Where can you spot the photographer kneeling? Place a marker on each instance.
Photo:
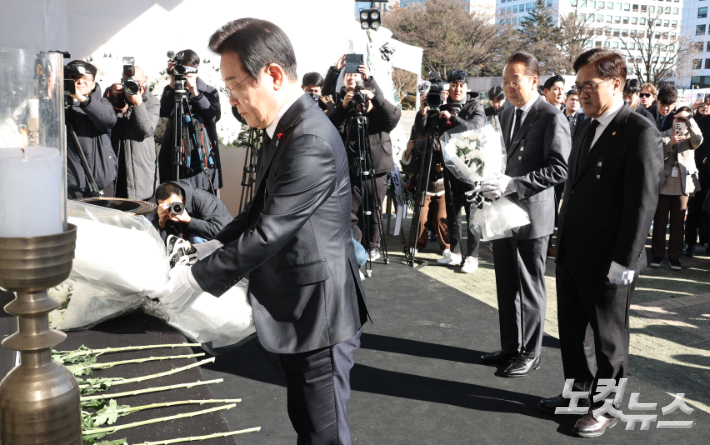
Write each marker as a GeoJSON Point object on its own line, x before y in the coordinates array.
{"type": "Point", "coordinates": [383, 117]}
{"type": "Point", "coordinates": [459, 110]}
{"type": "Point", "coordinates": [198, 217]}
{"type": "Point", "coordinates": [132, 138]}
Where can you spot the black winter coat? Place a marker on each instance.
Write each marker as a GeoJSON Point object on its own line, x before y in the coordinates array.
{"type": "Point", "coordinates": [92, 122]}
{"type": "Point", "coordinates": [471, 116]}
{"type": "Point", "coordinates": [206, 105]}
{"type": "Point", "coordinates": [382, 119]}
{"type": "Point", "coordinates": [209, 214]}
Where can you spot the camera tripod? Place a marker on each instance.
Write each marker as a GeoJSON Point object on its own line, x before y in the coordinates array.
{"type": "Point", "coordinates": [422, 184]}
{"type": "Point", "coordinates": [182, 112]}
{"type": "Point", "coordinates": [359, 135]}
{"type": "Point", "coordinates": [250, 160]}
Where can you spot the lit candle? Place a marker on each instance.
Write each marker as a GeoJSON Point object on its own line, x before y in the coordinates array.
{"type": "Point", "coordinates": [31, 192]}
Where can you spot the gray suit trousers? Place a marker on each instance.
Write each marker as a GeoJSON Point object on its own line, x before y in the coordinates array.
{"type": "Point", "coordinates": [522, 298]}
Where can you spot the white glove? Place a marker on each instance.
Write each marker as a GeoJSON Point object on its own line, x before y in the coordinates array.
{"type": "Point", "coordinates": [619, 274]}
{"type": "Point", "coordinates": [206, 249]}
{"type": "Point", "coordinates": [180, 292]}
{"type": "Point", "coordinates": [499, 186]}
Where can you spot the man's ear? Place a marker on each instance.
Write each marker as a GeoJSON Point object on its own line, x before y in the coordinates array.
{"type": "Point", "coordinates": [277, 74]}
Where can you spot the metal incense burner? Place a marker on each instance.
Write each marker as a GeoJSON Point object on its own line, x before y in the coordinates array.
{"type": "Point", "coordinates": [39, 399]}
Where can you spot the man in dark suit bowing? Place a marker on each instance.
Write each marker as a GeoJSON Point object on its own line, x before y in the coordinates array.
{"type": "Point", "coordinates": [610, 199]}
{"type": "Point", "coordinates": [537, 141]}
{"type": "Point", "coordinates": [293, 239]}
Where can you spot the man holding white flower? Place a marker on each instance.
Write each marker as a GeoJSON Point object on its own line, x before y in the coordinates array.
{"type": "Point", "coordinates": [537, 142]}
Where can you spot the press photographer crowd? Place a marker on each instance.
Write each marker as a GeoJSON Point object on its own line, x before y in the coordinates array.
{"type": "Point", "coordinates": [582, 172]}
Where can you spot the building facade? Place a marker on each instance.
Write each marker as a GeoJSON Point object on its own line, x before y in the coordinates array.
{"type": "Point", "coordinates": [620, 26]}
{"type": "Point", "coordinates": [696, 28]}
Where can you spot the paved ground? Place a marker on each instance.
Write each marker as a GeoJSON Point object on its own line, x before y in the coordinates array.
{"type": "Point", "coordinates": [670, 316]}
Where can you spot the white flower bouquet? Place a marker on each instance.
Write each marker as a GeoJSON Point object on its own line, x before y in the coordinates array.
{"type": "Point", "coordinates": [478, 155]}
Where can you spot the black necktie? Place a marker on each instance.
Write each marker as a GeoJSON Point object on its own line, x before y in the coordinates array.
{"type": "Point", "coordinates": [587, 142]}
{"type": "Point", "coordinates": [516, 126]}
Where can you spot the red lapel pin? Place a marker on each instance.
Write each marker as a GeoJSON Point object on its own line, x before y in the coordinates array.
{"type": "Point", "coordinates": [279, 135]}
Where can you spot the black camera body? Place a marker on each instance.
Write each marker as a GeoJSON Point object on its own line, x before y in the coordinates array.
{"type": "Point", "coordinates": [130, 86]}
{"type": "Point", "coordinates": [177, 208]}
{"type": "Point", "coordinates": [179, 71]}
{"type": "Point", "coordinates": [71, 72]}
{"type": "Point", "coordinates": [434, 99]}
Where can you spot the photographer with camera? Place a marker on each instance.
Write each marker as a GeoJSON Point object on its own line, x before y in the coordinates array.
{"type": "Point", "coordinates": [89, 119]}
{"type": "Point", "coordinates": [383, 116]}
{"type": "Point", "coordinates": [137, 113]}
{"type": "Point", "coordinates": [496, 99]}
{"type": "Point", "coordinates": [312, 84]}
{"type": "Point", "coordinates": [460, 110]}
{"type": "Point", "coordinates": [204, 106]}
{"type": "Point", "coordinates": [188, 212]}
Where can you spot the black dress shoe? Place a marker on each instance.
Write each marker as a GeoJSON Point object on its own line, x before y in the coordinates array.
{"type": "Point", "coordinates": [499, 356]}
{"type": "Point", "coordinates": [689, 251]}
{"type": "Point", "coordinates": [522, 367]}
{"type": "Point", "coordinates": [550, 405]}
{"type": "Point", "coordinates": [588, 426]}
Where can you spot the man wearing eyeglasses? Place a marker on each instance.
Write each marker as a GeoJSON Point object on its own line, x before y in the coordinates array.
{"type": "Point", "coordinates": [610, 198]}
{"type": "Point", "coordinates": [293, 238]}
{"type": "Point", "coordinates": [537, 141]}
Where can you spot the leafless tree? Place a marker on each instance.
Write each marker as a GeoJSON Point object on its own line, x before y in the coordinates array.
{"type": "Point", "coordinates": [404, 82]}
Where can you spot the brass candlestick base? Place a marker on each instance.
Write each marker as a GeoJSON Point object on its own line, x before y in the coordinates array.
{"type": "Point", "coordinates": [39, 400]}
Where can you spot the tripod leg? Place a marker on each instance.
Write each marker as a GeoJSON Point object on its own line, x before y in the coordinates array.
{"type": "Point", "coordinates": [377, 202]}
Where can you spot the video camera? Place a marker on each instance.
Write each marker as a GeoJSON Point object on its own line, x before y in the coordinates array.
{"type": "Point", "coordinates": [358, 97]}
{"type": "Point", "coordinates": [179, 70]}
{"type": "Point", "coordinates": [130, 86]}
{"type": "Point", "coordinates": [433, 99]}
{"type": "Point", "coordinates": [71, 73]}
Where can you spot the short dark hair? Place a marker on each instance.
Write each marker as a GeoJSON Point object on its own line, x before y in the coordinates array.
{"type": "Point", "coordinates": [553, 80]}
{"type": "Point", "coordinates": [168, 189]}
{"type": "Point", "coordinates": [457, 75]}
{"type": "Point", "coordinates": [572, 93]}
{"type": "Point", "coordinates": [667, 95]}
{"type": "Point", "coordinates": [633, 86]}
{"type": "Point", "coordinates": [188, 57]}
{"type": "Point", "coordinates": [496, 93]}
{"type": "Point", "coordinates": [532, 65]}
{"type": "Point", "coordinates": [256, 43]}
{"type": "Point", "coordinates": [608, 64]}
{"type": "Point", "coordinates": [89, 68]}
{"type": "Point", "coordinates": [312, 79]}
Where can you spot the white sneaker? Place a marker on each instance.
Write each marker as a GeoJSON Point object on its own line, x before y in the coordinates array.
{"type": "Point", "coordinates": [374, 254]}
{"type": "Point", "coordinates": [451, 259]}
{"type": "Point", "coordinates": [470, 265]}
{"type": "Point", "coordinates": [362, 276]}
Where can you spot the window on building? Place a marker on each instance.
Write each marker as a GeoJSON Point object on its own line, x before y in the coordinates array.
{"type": "Point", "coordinates": [652, 9]}
{"type": "Point", "coordinates": [599, 31]}
{"type": "Point", "coordinates": [583, 4]}
{"type": "Point", "coordinates": [707, 64]}
{"type": "Point", "coordinates": [675, 11]}
{"type": "Point", "coordinates": [635, 8]}
{"type": "Point", "coordinates": [549, 2]}
{"type": "Point", "coordinates": [634, 20]}
{"type": "Point", "coordinates": [658, 22]}
{"type": "Point", "coordinates": [674, 24]}
{"type": "Point", "coordinates": [617, 19]}
{"type": "Point", "coordinates": [600, 18]}
{"type": "Point", "coordinates": [624, 33]}
{"type": "Point", "coordinates": [697, 64]}
{"type": "Point", "coordinates": [607, 44]}
{"type": "Point", "coordinates": [632, 33]}
{"type": "Point", "coordinates": [607, 32]}
{"type": "Point", "coordinates": [666, 23]}
{"type": "Point", "coordinates": [609, 5]}
{"type": "Point", "coordinates": [589, 44]}
{"type": "Point", "coordinates": [627, 7]}
{"type": "Point", "coordinates": [642, 21]}
{"type": "Point", "coordinates": [509, 9]}
{"type": "Point", "coordinates": [671, 48]}
{"type": "Point", "coordinates": [625, 20]}
{"type": "Point", "coordinates": [601, 5]}
{"type": "Point", "coordinates": [593, 5]}
{"type": "Point", "coordinates": [515, 8]}
{"type": "Point", "coordinates": [644, 8]}
{"type": "Point", "coordinates": [640, 34]}
{"type": "Point", "coordinates": [502, 22]}
{"type": "Point", "coordinates": [672, 36]}
{"type": "Point", "coordinates": [665, 35]}
{"type": "Point", "coordinates": [609, 19]}
{"type": "Point", "coordinates": [623, 45]}
{"type": "Point", "coordinates": [573, 2]}
{"type": "Point", "coordinates": [658, 35]}
{"type": "Point", "coordinates": [598, 44]}
{"type": "Point", "coordinates": [615, 45]}
{"type": "Point", "coordinates": [707, 48]}
{"type": "Point", "coordinates": [616, 33]}
{"type": "Point", "coordinates": [582, 18]}
{"type": "Point", "coordinates": [632, 45]}
{"type": "Point", "coordinates": [668, 10]}
{"type": "Point", "coordinates": [703, 13]}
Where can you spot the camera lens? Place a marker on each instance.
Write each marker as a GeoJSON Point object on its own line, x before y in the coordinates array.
{"type": "Point", "coordinates": [131, 87]}
{"type": "Point", "coordinates": [177, 208]}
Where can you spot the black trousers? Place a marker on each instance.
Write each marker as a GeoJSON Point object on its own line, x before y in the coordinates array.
{"type": "Point", "coordinates": [356, 210]}
{"type": "Point", "coordinates": [318, 387]}
{"type": "Point", "coordinates": [522, 297]}
{"type": "Point", "coordinates": [588, 304]}
{"type": "Point", "coordinates": [697, 220]}
{"type": "Point", "coordinates": [455, 199]}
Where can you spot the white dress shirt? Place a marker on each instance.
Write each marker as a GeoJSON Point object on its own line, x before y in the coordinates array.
{"type": "Point", "coordinates": [606, 118]}
{"type": "Point", "coordinates": [528, 105]}
{"type": "Point", "coordinates": [289, 103]}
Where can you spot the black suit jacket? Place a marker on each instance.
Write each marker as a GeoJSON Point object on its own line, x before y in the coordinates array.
{"type": "Point", "coordinates": [575, 122]}
{"type": "Point", "coordinates": [610, 200]}
{"type": "Point", "coordinates": [293, 240]}
{"type": "Point", "coordinates": [537, 161]}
